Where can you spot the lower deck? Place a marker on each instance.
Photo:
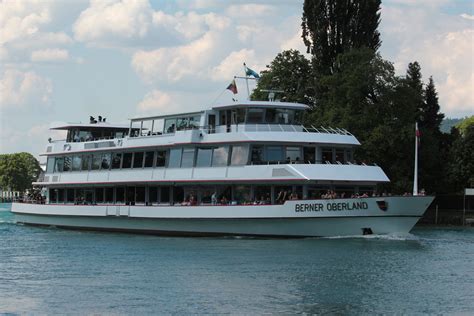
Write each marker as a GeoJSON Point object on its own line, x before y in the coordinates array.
{"type": "Point", "coordinates": [292, 218]}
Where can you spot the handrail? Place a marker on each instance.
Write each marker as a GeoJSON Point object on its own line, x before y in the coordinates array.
{"type": "Point", "coordinates": [291, 128]}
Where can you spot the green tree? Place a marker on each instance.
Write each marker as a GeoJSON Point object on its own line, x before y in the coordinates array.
{"type": "Point", "coordinates": [461, 163]}
{"type": "Point", "coordinates": [290, 72]}
{"type": "Point", "coordinates": [431, 118]}
{"type": "Point", "coordinates": [333, 27]}
{"type": "Point", "coordinates": [18, 171]}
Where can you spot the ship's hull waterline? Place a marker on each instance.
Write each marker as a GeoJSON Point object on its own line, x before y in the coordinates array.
{"type": "Point", "coordinates": [303, 218]}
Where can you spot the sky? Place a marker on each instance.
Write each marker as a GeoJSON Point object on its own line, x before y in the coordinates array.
{"type": "Point", "coordinates": [66, 60]}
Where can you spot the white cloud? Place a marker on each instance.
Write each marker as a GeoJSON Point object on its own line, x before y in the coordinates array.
{"type": "Point", "coordinates": [26, 26]}
{"type": "Point", "coordinates": [233, 64]}
{"type": "Point", "coordinates": [24, 89]}
{"type": "Point", "coordinates": [250, 10]}
{"type": "Point", "coordinates": [104, 20]}
{"type": "Point", "coordinates": [49, 55]}
{"type": "Point", "coordinates": [156, 102]}
{"type": "Point", "coordinates": [444, 47]}
{"type": "Point", "coordinates": [467, 16]}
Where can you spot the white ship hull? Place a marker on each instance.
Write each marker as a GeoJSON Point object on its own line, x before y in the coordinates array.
{"type": "Point", "coordinates": [301, 218]}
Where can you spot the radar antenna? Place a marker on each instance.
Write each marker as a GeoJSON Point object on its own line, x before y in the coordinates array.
{"type": "Point", "coordinates": [271, 94]}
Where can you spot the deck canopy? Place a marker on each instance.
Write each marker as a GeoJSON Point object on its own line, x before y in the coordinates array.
{"type": "Point", "coordinates": [80, 132]}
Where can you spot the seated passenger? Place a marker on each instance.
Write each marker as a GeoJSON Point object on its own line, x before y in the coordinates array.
{"type": "Point", "coordinates": [224, 200]}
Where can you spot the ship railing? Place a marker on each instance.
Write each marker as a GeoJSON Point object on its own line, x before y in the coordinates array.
{"type": "Point", "coordinates": [309, 162]}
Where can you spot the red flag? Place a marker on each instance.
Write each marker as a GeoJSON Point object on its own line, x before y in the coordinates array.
{"type": "Point", "coordinates": [232, 87]}
{"type": "Point", "coordinates": [417, 134]}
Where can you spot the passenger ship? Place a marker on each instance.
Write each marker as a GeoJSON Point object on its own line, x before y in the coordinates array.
{"type": "Point", "coordinates": [244, 168]}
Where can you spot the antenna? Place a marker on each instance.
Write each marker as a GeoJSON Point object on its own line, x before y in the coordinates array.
{"type": "Point", "coordinates": [271, 94]}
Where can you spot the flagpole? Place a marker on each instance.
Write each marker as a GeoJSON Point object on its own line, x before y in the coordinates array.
{"type": "Point", "coordinates": [246, 81]}
{"type": "Point", "coordinates": [415, 177]}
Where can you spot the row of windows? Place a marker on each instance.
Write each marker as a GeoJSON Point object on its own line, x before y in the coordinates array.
{"type": "Point", "coordinates": [202, 194]}
{"type": "Point", "coordinates": [188, 157]}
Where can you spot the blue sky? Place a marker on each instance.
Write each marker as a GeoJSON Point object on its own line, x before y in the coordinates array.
{"type": "Point", "coordinates": [66, 60]}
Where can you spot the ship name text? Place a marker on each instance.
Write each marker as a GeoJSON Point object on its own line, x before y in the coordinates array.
{"type": "Point", "coordinates": [337, 206]}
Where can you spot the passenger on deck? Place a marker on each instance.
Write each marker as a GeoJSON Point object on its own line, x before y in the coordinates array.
{"type": "Point", "coordinates": [224, 200]}
{"type": "Point", "coordinates": [214, 198]}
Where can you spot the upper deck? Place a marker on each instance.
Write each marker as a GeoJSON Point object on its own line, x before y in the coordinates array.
{"type": "Point", "coordinates": [249, 121]}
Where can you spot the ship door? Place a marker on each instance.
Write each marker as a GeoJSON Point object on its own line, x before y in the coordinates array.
{"type": "Point", "coordinates": [212, 123]}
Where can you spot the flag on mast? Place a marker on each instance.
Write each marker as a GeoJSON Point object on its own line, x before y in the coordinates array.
{"type": "Point", "coordinates": [250, 72]}
{"type": "Point", "coordinates": [232, 87]}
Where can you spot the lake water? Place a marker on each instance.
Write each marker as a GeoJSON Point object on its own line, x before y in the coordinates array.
{"type": "Point", "coordinates": [54, 271]}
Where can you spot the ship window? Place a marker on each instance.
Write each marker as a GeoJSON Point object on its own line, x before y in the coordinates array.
{"type": "Point", "coordinates": [242, 194]}
{"type": "Point", "coordinates": [298, 117]}
{"type": "Point", "coordinates": [149, 159]}
{"type": "Point", "coordinates": [109, 195]}
{"type": "Point", "coordinates": [165, 195]}
{"type": "Point", "coordinates": [240, 155]}
{"type": "Point", "coordinates": [70, 195]}
{"type": "Point", "coordinates": [59, 164]}
{"type": "Point", "coordinates": [327, 154]}
{"type": "Point", "coordinates": [105, 164]}
{"type": "Point", "coordinates": [138, 160]}
{"type": "Point", "coordinates": [270, 116]}
{"type": "Point", "coordinates": [161, 158]}
{"type": "Point", "coordinates": [340, 155]}
{"type": "Point", "coordinates": [96, 161]}
{"type": "Point", "coordinates": [274, 153]}
{"type": "Point", "coordinates": [85, 162]}
{"type": "Point", "coordinates": [116, 159]}
{"type": "Point", "coordinates": [204, 156]}
{"type": "Point", "coordinates": [120, 195]}
{"type": "Point", "coordinates": [127, 160]}
{"type": "Point", "coordinates": [53, 195]}
{"type": "Point", "coordinates": [99, 195]}
{"type": "Point", "coordinates": [175, 158]}
{"type": "Point", "coordinates": [255, 116]}
{"type": "Point", "coordinates": [344, 191]}
{"type": "Point", "coordinates": [178, 195]}
{"type": "Point", "coordinates": [67, 163]}
{"type": "Point", "coordinates": [282, 194]}
{"type": "Point", "coordinates": [257, 155]}
{"type": "Point", "coordinates": [153, 197]}
{"type": "Point", "coordinates": [188, 158]}
{"type": "Point", "coordinates": [263, 194]}
{"type": "Point", "coordinates": [60, 195]}
{"type": "Point", "coordinates": [315, 192]}
{"type": "Point", "coordinates": [349, 155]}
{"type": "Point", "coordinates": [140, 195]}
{"type": "Point", "coordinates": [293, 154]}
{"type": "Point", "coordinates": [170, 126]}
{"type": "Point", "coordinates": [239, 116]}
{"type": "Point", "coordinates": [282, 116]}
{"type": "Point", "coordinates": [309, 154]}
{"type": "Point", "coordinates": [220, 156]}
{"type": "Point", "coordinates": [50, 165]}
{"type": "Point", "coordinates": [76, 163]}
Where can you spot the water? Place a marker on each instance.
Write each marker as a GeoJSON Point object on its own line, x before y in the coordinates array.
{"type": "Point", "coordinates": [54, 271]}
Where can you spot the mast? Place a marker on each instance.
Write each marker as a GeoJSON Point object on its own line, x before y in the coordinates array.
{"type": "Point", "coordinates": [247, 81]}
{"type": "Point", "coordinates": [415, 176]}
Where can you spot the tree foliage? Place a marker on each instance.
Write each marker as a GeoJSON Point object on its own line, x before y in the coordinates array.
{"type": "Point", "coordinates": [333, 27]}
{"type": "Point", "coordinates": [461, 162]}
{"type": "Point", "coordinates": [290, 72]}
{"type": "Point", "coordinates": [18, 171]}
